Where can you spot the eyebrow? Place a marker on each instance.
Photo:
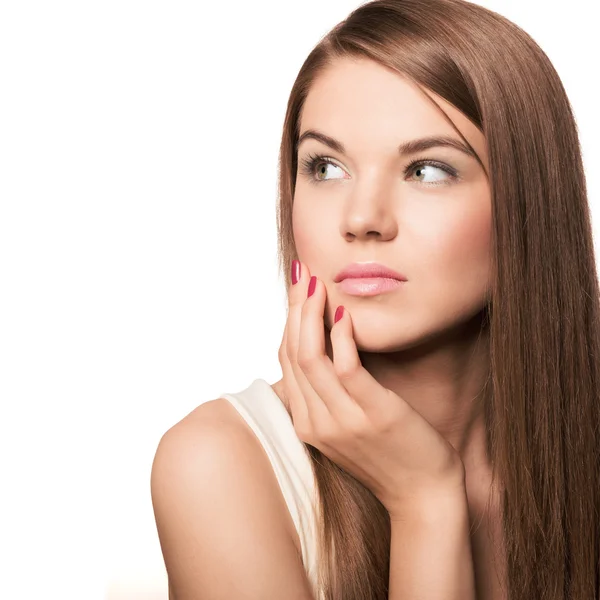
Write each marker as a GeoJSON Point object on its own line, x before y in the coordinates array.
{"type": "Point", "coordinates": [409, 147]}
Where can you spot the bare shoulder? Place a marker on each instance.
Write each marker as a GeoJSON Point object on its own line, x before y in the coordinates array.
{"type": "Point", "coordinates": [222, 520]}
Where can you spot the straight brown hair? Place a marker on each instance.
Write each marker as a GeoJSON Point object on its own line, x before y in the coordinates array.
{"type": "Point", "coordinates": [543, 394]}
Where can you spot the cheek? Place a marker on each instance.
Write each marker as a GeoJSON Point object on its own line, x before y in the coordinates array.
{"type": "Point", "coordinates": [458, 262]}
{"type": "Point", "coordinates": [310, 234]}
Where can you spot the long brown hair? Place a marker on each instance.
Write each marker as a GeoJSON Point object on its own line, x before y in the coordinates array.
{"type": "Point", "coordinates": [543, 393]}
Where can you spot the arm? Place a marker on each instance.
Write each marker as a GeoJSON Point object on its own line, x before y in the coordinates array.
{"type": "Point", "coordinates": [430, 555]}
{"type": "Point", "coordinates": [220, 515]}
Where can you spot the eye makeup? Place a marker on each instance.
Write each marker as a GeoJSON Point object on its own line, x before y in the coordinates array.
{"type": "Point", "coordinates": [312, 161]}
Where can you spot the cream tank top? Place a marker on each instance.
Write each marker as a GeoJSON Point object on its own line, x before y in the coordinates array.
{"type": "Point", "coordinates": [266, 415]}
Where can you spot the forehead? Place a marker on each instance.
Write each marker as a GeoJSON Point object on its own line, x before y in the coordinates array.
{"type": "Point", "coordinates": [369, 106]}
{"type": "Point", "coordinates": [363, 88]}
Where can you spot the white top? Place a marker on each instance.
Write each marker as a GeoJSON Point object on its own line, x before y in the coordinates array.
{"type": "Point", "coordinates": [266, 415]}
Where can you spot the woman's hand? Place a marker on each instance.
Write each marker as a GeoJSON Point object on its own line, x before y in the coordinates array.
{"type": "Point", "coordinates": [340, 409]}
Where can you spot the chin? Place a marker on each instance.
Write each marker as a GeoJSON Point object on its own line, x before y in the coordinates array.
{"type": "Point", "coordinates": [380, 337]}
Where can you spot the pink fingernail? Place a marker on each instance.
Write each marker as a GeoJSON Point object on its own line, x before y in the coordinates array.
{"type": "Point", "coordinates": [312, 284]}
{"type": "Point", "coordinates": [339, 313]}
{"type": "Point", "coordinates": [295, 272]}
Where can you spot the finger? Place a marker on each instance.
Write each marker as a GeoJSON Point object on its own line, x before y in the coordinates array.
{"type": "Point", "coordinates": [366, 391]}
{"type": "Point", "coordinates": [286, 371]}
{"type": "Point", "coordinates": [317, 413]}
{"type": "Point", "coordinates": [318, 380]}
{"type": "Point", "coordinates": [310, 355]}
{"type": "Point", "coordinates": [296, 295]}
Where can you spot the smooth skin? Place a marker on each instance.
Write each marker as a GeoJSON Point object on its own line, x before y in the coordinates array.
{"type": "Point", "coordinates": [420, 340]}
{"type": "Point", "coordinates": [224, 527]}
{"type": "Point", "coordinates": [338, 407]}
{"type": "Point", "coordinates": [214, 492]}
{"type": "Point", "coordinates": [423, 342]}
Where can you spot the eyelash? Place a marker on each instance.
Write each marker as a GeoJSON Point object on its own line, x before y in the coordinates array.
{"type": "Point", "coordinates": [309, 164]}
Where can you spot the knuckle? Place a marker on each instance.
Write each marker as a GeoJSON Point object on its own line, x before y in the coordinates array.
{"type": "Point", "coordinates": [307, 362]}
{"type": "Point", "coordinates": [385, 421]}
{"type": "Point", "coordinates": [325, 435]}
{"type": "Point", "coordinates": [296, 300]}
{"type": "Point", "coordinates": [291, 350]}
{"type": "Point", "coordinates": [346, 372]}
{"type": "Point", "coordinates": [283, 354]}
{"type": "Point", "coordinates": [354, 427]}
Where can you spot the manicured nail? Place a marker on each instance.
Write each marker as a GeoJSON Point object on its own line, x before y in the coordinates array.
{"type": "Point", "coordinates": [295, 272]}
{"type": "Point", "coordinates": [312, 284]}
{"type": "Point", "coordinates": [339, 313]}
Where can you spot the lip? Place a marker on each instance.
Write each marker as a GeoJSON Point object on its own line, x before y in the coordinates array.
{"type": "Point", "coordinates": [369, 286]}
{"type": "Point", "coordinates": [368, 270]}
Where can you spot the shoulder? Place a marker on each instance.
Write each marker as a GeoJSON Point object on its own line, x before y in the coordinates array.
{"type": "Point", "coordinates": [212, 478]}
{"type": "Point", "coordinates": [214, 425]}
{"type": "Point", "coordinates": [211, 436]}
{"type": "Point", "coordinates": [214, 439]}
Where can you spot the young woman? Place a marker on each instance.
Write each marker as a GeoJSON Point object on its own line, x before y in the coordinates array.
{"type": "Point", "coordinates": [437, 436]}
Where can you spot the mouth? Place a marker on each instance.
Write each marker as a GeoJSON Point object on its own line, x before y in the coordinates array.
{"type": "Point", "coordinates": [369, 286]}
{"type": "Point", "coordinates": [368, 270]}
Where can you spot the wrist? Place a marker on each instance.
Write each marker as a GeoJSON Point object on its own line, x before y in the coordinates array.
{"type": "Point", "coordinates": [433, 506]}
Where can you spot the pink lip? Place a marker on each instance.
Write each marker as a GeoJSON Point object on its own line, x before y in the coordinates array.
{"type": "Point", "coordinates": [369, 286]}
{"type": "Point", "coordinates": [368, 270]}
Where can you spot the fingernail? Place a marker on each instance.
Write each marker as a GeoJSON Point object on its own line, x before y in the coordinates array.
{"type": "Point", "coordinates": [295, 272]}
{"type": "Point", "coordinates": [312, 284]}
{"type": "Point", "coordinates": [339, 313]}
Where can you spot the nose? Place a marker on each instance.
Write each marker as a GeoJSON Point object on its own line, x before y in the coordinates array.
{"type": "Point", "coordinates": [368, 216]}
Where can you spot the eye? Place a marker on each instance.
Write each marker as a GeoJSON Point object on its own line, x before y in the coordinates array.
{"type": "Point", "coordinates": [426, 168]}
{"type": "Point", "coordinates": [314, 165]}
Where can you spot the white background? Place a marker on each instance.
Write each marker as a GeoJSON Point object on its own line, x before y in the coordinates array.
{"type": "Point", "coordinates": [138, 156]}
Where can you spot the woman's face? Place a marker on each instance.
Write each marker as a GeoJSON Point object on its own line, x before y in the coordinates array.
{"type": "Point", "coordinates": [430, 225]}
